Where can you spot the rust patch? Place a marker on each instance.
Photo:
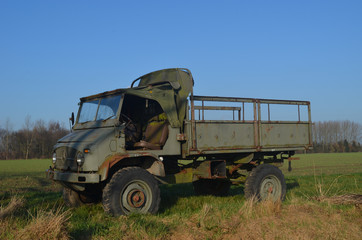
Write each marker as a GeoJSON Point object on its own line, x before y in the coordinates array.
{"type": "Point", "coordinates": [112, 160]}
{"type": "Point", "coordinates": [109, 162]}
{"type": "Point", "coordinates": [269, 129]}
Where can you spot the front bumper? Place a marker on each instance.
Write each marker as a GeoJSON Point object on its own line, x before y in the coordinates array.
{"type": "Point", "coordinates": [72, 177]}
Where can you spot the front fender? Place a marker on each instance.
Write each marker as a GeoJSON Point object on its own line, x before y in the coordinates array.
{"type": "Point", "coordinates": [147, 161]}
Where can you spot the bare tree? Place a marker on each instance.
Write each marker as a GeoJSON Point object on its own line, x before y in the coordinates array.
{"type": "Point", "coordinates": [337, 136]}
{"type": "Point", "coordinates": [33, 140]}
{"type": "Point", "coordinates": [8, 130]}
{"type": "Point", "coordinates": [41, 140]}
{"type": "Point", "coordinates": [29, 135]}
{"type": "Point", "coordinates": [5, 139]}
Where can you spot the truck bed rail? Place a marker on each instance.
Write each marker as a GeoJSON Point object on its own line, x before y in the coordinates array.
{"type": "Point", "coordinates": [258, 132]}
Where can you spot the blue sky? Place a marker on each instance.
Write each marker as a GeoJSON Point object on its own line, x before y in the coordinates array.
{"type": "Point", "coordinates": [54, 52]}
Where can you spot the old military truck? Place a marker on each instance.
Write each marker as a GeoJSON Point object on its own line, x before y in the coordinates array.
{"type": "Point", "coordinates": [126, 141]}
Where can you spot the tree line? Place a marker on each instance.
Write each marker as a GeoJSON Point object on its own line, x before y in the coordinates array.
{"type": "Point", "coordinates": [33, 140]}
{"type": "Point", "coordinates": [337, 136]}
{"type": "Point", "coordinates": [36, 139]}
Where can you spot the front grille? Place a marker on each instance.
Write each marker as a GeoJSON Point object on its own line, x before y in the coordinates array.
{"type": "Point", "coordinates": [66, 159]}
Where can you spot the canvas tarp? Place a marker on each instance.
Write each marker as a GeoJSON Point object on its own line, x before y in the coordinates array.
{"type": "Point", "coordinates": [170, 88]}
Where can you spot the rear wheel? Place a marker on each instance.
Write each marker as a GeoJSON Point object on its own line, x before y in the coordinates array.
{"type": "Point", "coordinates": [265, 182]}
{"type": "Point", "coordinates": [216, 187]}
{"type": "Point", "coordinates": [131, 190]}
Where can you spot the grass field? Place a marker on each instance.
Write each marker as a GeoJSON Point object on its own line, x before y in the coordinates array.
{"type": "Point", "coordinates": [32, 207]}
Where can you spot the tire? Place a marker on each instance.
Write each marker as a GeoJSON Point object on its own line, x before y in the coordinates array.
{"type": "Point", "coordinates": [71, 198]}
{"type": "Point", "coordinates": [76, 199]}
{"type": "Point", "coordinates": [131, 190]}
{"type": "Point", "coordinates": [265, 182]}
{"type": "Point", "coordinates": [216, 187]}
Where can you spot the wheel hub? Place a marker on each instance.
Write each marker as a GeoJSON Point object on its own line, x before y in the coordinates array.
{"type": "Point", "coordinates": [270, 188]}
{"type": "Point", "coordinates": [136, 198]}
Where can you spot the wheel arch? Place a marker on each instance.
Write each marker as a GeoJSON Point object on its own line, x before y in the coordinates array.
{"type": "Point", "coordinates": [148, 162]}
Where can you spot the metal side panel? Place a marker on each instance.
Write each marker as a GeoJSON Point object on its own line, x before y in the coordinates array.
{"type": "Point", "coordinates": [172, 146]}
{"type": "Point", "coordinates": [224, 135]}
{"type": "Point", "coordinates": [284, 135]}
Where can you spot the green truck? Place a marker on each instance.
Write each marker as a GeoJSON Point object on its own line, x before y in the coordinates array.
{"type": "Point", "coordinates": [126, 142]}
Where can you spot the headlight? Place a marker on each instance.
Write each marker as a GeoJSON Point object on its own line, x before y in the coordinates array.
{"type": "Point", "coordinates": [80, 158]}
{"type": "Point", "coordinates": [54, 157]}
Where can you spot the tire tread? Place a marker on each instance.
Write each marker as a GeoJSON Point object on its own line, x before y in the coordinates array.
{"type": "Point", "coordinates": [251, 188]}
{"type": "Point", "coordinates": [107, 191]}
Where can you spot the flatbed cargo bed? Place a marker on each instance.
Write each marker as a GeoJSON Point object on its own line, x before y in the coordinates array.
{"type": "Point", "coordinates": [246, 135]}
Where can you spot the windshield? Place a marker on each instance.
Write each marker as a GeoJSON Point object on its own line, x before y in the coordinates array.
{"type": "Point", "coordinates": [100, 109]}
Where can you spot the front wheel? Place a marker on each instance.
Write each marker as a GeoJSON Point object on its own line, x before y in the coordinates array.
{"type": "Point", "coordinates": [265, 182]}
{"type": "Point", "coordinates": [131, 190]}
{"type": "Point", "coordinates": [77, 199]}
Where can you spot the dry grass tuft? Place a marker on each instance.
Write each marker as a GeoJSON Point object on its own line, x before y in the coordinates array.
{"type": "Point", "coordinates": [4, 227]}
{"type": "Point", "coordinates": [267, 220]}
{"type": "Point", "coordinates": [342, 199]}
{"type": "Point", "coordinates": [46, 225]}
{"type": "Point", "coordinates": [253, 208]}
{"type": "Point", "coordinates": [204, 215]}
{"type": "Point", "coordinates": [300, 219]}
{"type": "Point", "coordinates": [14, 204]}
{"type": "Point", "coordinates": [247, 209]}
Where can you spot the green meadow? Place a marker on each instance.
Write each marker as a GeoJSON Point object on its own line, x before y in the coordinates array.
{"type": "Point", "coordinates": [307, 213]}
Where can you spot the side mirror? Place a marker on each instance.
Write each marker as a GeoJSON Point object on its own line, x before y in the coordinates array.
{"type": "Point", "coordinates": [72, 118]}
